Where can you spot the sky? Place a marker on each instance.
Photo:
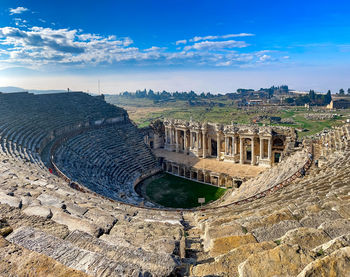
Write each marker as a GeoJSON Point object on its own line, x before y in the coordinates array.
{"type": "Point", "coordinates": [215, 46]}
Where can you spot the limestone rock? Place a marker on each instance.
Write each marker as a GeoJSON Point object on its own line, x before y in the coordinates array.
{"type": "Point", "coordinates": [38, 211]}
{"type": "Point", "coordinates": [333, 245]}
{"type": "Point", "coordinates": [275, 231]}
{"type": "Point", "coordinates": [102, 219]}
{"type": "Point", "coordinates": [216, 231]}
{"type": "Point", "coordinates": [336, 264]}
{"type": "Point", "coordinates": [69, 255]}
{"type": "Point", "coordinates": [225, 244]}
{"type": "Point", "coordinates": [76, 223]}
{"type": "Point", "coordinates": [50, 200]}
{"type": "Point", "coordinates": [158, 263]}
{"type": "Point", "coordinates": [5, 228]}
{"type": "Point", "coordinates": [76, 209]}
{"type": "Point", "coordinates": [145, 233]}
{"type": "Point", "coordinates": [16, 218]}
{"type": "Point", "coordinates": [274, 218]}
{"type": "Point", "coordinates": [227, 264]}
{"type": "Point", "coordinates": [316, 219]}
{"type": "Point", "coordinates": [336, 227]}
{"type": "Point", "coordinates": [18, 261]}
{"type": "Point", "coordinates": [307, 238]}
{"type": "Point", "coordinates": [284, 260]}
{"type": "Point", "coordinates": [10, 200]}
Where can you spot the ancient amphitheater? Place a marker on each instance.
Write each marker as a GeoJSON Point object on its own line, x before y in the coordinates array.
{"type": "Point", "coordinates": [68, 166]}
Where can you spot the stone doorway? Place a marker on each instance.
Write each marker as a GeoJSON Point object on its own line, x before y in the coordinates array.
{"type": "Point", "coordinates": [248, 154]}
{"type": "Point", "coordinates": [214, 148]}
{"type": "Point", "coordinates": [277, 157]}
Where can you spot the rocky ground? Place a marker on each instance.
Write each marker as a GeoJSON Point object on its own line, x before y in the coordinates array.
{"type": "Point", "coordinates": [60, 230]}
{"type": "Point", "coordinates": [300, 230]}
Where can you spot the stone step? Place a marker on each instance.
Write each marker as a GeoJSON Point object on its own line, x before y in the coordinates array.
{"type": "Point", "coordinates": [70, 255]}
{"type": "Point", "coordinates": [19, 261]}
{"type": "Point", "coordinates": [159, 264]}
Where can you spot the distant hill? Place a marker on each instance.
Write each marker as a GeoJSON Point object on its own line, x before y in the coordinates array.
{"type": "Point", "coordinates": [35, 91]}
{"type": "Point", "coordinates": [11, 89]}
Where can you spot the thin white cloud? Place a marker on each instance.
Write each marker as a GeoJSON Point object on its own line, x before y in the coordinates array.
{"type": "Point", "coordinates": [183, 41]}
{"type": "Point", "coordinates": [154, 48]}
{"type": "Point", "coordinates": [216, 45]}
{"type": "Point", "coordinates": [20, 22]}
{"type": "Point", "coordinates": [18, 10]}
{"type": "Point", "coordinates": [198, 38]}
{"type": "Point", "coordinates": [264, 58]}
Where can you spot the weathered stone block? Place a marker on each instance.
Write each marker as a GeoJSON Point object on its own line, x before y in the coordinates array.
{"type": "Point", "coordinates": [38, 211]}
{"type": "Point", "coordinates": [225, 244]}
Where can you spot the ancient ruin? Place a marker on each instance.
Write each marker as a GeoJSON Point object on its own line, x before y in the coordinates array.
{"type": "Point", "coordinates": [242, 144]}
{"type": "Point", "coordinates": [69, 163]}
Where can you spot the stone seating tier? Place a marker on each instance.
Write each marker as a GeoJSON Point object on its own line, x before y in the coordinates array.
{"type": "Point", "coordinates": [28, 121]}
{"type": "Point", "coordinates": [107, 160]}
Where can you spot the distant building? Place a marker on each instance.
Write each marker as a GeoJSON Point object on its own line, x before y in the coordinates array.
{"type": "Point", "coordinates": [339, 102]}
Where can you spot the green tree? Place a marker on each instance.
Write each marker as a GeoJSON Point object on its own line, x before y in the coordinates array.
{"type": "Point", "coordinates": [341, 92]}
{"type": "Point", "coordinates": [312, 95]}
{"type": "Point", "coordinates": [349, 91]}
{"type": "Point", "coordinates": [328, 97]}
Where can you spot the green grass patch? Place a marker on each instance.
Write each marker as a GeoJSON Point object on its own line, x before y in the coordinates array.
{"type": "Point", "coordinates": [180, 109]}
{"type": "Point", "coordinates": [175, 192]}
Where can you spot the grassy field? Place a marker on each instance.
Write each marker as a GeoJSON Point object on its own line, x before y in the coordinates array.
{"type": "Point", "coordinates": [176, 192]}
{"type": "Point", "coordinates": [143, 111]}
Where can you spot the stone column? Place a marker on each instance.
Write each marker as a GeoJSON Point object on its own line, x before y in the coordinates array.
{"type": "Point", "coordinates": [200, 143]}
{"type": "Point", "coordinates": [226, 145]}
{"type": "Point", "coordinates": [177, 140]}
{"type": "Point", "coordinates": [234, 146]}
{"type": "Point", "coordinates": [197, 141]}
{"type": "Point", "coordinates": [166, 137]}
{"type": "Point", "coordinates": [171, 135]}
{"type": "Point", "coordinates": [253, 151]}
{"type": "Point", "coordinates": [185, 142]}
{"type": "Point", "coordinates": [191, 140]}
{"type": "Point", "coordinates": [241, 156]}
{"type": "Point", "coordinates": [218, 146]}
{"type": "Point", "coordinates": [261, 148]}
{"type": "Point", "coordinates": [203, 145]}
{"type": "Point", "coordinates": [269, 150]}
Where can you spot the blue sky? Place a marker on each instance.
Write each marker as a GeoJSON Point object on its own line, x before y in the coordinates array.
{"type": "Point", "coordinates": [214, 46]}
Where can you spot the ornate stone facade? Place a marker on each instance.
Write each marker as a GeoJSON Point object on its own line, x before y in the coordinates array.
{"type": "Point", "coordinates": [244, 144]}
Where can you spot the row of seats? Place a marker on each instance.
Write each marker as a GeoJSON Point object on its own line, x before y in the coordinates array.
{"type": "Point", "coordinates": [335, 139]}
{"type": "Point", "coordinates": [28, 122]}
{"type": "Point", "coordinates": [107, 160]}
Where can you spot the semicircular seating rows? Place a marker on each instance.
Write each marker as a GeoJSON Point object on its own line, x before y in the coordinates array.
{"type": "Point", "coordinates": [28, 122]}
{"type": "Point", "coordinates": [108, 161]}
{"type": "Point", "coordinates": [114, 156]}
{"type": "Point", "coordinates": [48, 228]}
